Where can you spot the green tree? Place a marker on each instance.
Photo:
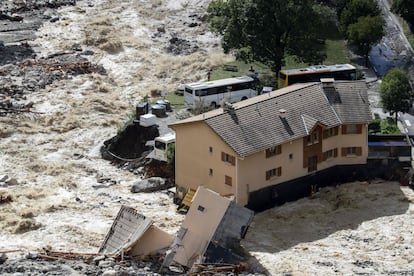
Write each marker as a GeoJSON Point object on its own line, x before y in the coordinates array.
{"type": "Point", "coordinates": [405, 9]}
{"type": "Point", "coordinates": [365, 33]}
{"type": "Point", "coordinates": [355, 9]}
{"type": "Point", "coordinates": [396, 92]}
{"type": "Point", "coordinates": [265, 31]}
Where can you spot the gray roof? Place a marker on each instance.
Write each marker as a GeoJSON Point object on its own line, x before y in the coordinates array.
{"type": "Point", "coordinates": [257, 124]}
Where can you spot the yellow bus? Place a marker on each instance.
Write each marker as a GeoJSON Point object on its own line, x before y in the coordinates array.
{"type": "Point", "coordinates": [315, 73]}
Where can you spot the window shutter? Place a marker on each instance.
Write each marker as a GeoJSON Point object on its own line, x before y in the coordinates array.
{"type": "Point", "coordinates": [233, 160]}
{"type": "Point", "coordinates": [223, 156]}
{"type": "Point", "coordinates": [267, 175]}
{"type": "Point", "coordinates": [359, 151]}
{"type": "Point", "coordinates": [343, 129]}
{"type": "Point", "coordinates": [228, 180]}
{"type": "Point", "coordinates": [359, 129]}
{"type": "Point", "coordinates": [336, 130]}
{"type": "Point", "coordinates": [325, 134]}
{"type": "Point", "coordinates": [267, 153]}
{"type": "Point", "coordinates": [336, 152]}
{"type": "Point", "coordinates": [343, 151]}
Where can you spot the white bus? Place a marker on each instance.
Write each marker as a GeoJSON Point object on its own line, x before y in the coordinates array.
{"type": "Point", "coordinates": [161, 144]}
{"type": "Point", "coordinates": [214, 93]}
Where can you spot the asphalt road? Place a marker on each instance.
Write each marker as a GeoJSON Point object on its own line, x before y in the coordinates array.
{"type": "Point", "coordinates": [394, 50]}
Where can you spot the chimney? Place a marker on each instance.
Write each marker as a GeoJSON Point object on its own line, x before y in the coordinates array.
{"type": "Point", "coordinates": [328, 82]}
{"type": "Point", "coordinates": [228, 107]}
{"type": "Point", "coordinates": [282, 113]}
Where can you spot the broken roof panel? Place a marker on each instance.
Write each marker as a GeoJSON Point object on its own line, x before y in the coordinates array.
{"type": "Point", "coordinates": [133, 232]}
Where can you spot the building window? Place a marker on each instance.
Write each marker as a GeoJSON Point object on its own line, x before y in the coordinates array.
{"type": "Point", "coordinates": [273, 151]}
{"type": "Point", "coordinates": [330, 132]}
{"type": "Point", "coordinates": [312, 138]}
{"type": "Point", "coordinates": [352, 129]}
{"type": "Point", "coordinates": [291, 156]}
{"type": "Point", "coordinates": [210, 149]}
{"type": "Point", "coordinates": [315, 136]}
{"type": "Point", "coordinates": [309, 140]}
{"type": "Point", "coordinates": [228, 158]}
{"type": "Point", "coordinates": [228, 180]}
{"type": "Point", "coordinates": [275, 172]}
{"type": "Point", "coordinates": [331, 154]}
{"type": "Point", "coordinates": [312, 163]}
{"type": "Point", "coordinates": [352, 151]}
{"type": "Point", "coordinates": [210, 172]}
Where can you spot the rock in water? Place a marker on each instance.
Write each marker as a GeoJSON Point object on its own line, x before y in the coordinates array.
{"type": "Point", "coordinates": [149, 185]}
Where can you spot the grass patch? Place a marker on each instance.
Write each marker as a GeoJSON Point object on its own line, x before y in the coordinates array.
{"type": "Point", "coordinates": [336, 52]}
{"type": "Point", "coordinates": [242, 70]}
{"type": "Point", "coordinates": [176, 101]}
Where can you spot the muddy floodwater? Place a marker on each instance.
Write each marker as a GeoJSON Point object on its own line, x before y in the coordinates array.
{"type": "Point", "coordinates": [54, 153]}
{"type": "Point", "coordinates": [66, 196]}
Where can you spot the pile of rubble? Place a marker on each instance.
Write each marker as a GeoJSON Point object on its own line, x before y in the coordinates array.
{"type": "Point", "coordinates": [21, 71]}
{"type": "Point", "coordinates": [12, 7]}
{"type": "Point", "coordinates": [33, 74]}
{"type": "Point", "coordinates": [53, 263]}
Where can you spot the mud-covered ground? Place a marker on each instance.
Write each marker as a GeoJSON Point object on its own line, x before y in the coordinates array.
{"type": "Point", "coordinates": [74, 77]}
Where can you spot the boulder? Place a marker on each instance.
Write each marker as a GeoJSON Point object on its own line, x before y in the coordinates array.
{"type": "Point", "coordinates": [11, 181]}
{"type": "Point", "coordinates": [149, 185]}
{"type": "Point", "coordinates": [5, 181]}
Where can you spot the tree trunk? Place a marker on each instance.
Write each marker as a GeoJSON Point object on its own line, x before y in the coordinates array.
{"type": "Point", "coordinates": [366, 60]}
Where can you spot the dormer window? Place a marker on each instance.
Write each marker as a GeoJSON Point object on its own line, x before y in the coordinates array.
{"type": "Point", "coordinates": [312, 138]}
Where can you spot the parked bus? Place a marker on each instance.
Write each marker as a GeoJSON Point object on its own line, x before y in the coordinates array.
{"type": "Point", "coordinates": [315, 73]}
{"type": "Point", "coordinates": [161, 145]}
{"type": "Point", "coordinates": [213, 93]}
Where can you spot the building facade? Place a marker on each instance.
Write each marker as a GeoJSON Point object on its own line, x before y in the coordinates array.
{"type": "Point", "coordinates": [256, 146]}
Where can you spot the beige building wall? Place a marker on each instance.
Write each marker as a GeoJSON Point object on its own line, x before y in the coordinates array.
{"type": "Point", "coordinates": [252, 169]}
{"type": "Point", "coordinates": [209, 207]}
{"type": "Point", "coordinates": [346, 140]}
{"type": "Point", "coordinates": [198, 159]}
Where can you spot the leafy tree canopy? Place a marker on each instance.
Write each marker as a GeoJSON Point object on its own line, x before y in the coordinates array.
{"type": "Point", "coordinates": [396, 92]}
{"type": "Point", "coordinates": [366, 32]}
{"type": "Point", "coordinates": [262, 30]}
{"type": "Point", "coordinates": [355, 9]}
{"type": "Point", "coordinates": [404, 8]}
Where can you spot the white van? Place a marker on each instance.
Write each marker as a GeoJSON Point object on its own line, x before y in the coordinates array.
{"type": "Point", "coordinates": [161, 144]}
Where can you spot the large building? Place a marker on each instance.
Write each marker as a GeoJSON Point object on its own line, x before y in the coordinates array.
{"type": "Point", "coordinates": [277, 146]}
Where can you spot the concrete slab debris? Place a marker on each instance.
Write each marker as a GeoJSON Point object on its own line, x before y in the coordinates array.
{"type": "Point", "coordinates": [212, 230]}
